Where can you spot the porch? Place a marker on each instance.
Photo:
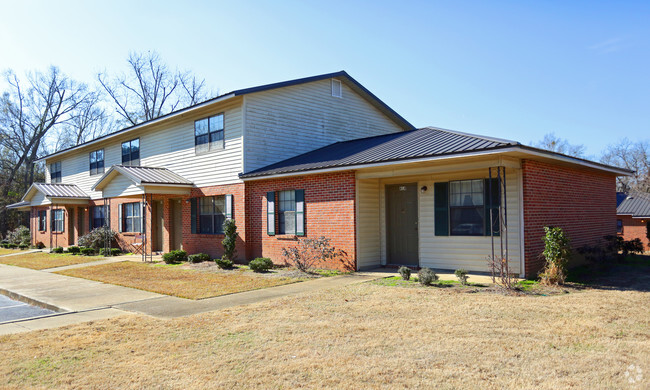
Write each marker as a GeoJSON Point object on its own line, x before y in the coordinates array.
{"type": "Point", "coordinates": [437, 214]}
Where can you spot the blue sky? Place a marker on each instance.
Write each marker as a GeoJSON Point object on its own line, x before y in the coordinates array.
{"type": "Point", "coordinates": [509, 69]}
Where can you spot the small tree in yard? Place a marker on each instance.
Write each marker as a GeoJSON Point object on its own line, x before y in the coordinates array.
{"type": "Point", "coordinates": [557, 252]}
{"type": "Point", "coordinates": [230, 231]}
{"type": "Point", "coordinates": [310, 252]}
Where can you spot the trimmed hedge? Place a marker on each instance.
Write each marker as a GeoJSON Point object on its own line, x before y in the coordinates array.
{"type": "Point", "coordinates": [261, 264]}
{"type": "Point", "coordinates": [174, 257]}
{"type": "Point", "coordinates": [198, 258]}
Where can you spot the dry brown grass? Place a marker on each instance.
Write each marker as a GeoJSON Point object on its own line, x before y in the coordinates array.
{"type": "Point", "coordinates": [4, 251]}
{"type": "Point", "coordinates": [361, 336]}
{"type": "Point", "coordinates": [42, 260]}
{"type": "Point", "coordinates": [175, 281]}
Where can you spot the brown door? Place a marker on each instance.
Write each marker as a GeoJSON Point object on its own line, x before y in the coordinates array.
{"type": "Point", "coordinates": [177, 224]}
{"type": "Point", "coordinates": [80, 222]}
{"type": "Point", "coordinates": [402, 224]}
{"type": "Point", "coordinates": [156, 225]}
{"type": "Point", "coordinates": [70, 227]}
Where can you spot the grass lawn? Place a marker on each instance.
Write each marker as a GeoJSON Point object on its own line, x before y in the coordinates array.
{"type": "Point", "coordinates": [4, 251]}
{"type": "Point", "coordinates": [171, 280]}
{"type": "Point", "coordinates": [42, 260]}
{"type": "Point", "coordinates": [361, 336]}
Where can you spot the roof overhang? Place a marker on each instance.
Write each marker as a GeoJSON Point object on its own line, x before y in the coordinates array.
{"type": "Point", "coordinates": [34, 188]}
{"type": "Point", "coordinates": [519, 151]}
{"type": "Point", "coordinates": [20, 206]}
{"type": "Point", "coordinates": [144, 186]}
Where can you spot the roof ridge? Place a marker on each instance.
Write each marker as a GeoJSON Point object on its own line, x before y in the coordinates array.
{"type": "Point", "coordinates": [493, 139]}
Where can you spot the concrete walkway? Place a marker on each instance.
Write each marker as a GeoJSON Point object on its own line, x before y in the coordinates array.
{"type": "Point", "coordinates": [80, 300]}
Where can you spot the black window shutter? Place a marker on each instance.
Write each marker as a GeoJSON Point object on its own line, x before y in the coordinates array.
{"type": "Point", "coordinates": [270, 213]}
{"type": "Point", "coordinates": [193, 219]}
{"type": "Point", "coordinates": [300, 212]}
{"type": "Point", "coordinates": [52, 220]}
{"type": "Point", "coordinates": [492, 199]}
{"type": "Point", "coordinates": [441, 208]}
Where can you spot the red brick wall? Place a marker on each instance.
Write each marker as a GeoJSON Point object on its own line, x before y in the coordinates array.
{"type": "Point", "coordinates": [329, 212]}
{"type": "Point", "coordinates": [635, 228]}
{"type": "Point", "coordinates": [48, 238]}
{"type": "Point", "coordinates": [211, 243]}
{"type": "Point", "coordinates": [581, 202]}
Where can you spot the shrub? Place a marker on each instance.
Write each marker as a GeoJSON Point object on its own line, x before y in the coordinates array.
{"type": "Point", "coordinates": [223, 262]}
{"type": "Point", "coordinates": [174, 257]}
{"type": "Point", "coordinates": [12, 246]}
{"type": "Point", "coordinates": [74, 250]}
{"type": "Point", "coordinates": [405, 272]}
{"type": "Point", "coordinates": [88, 251]}
{"type": "Point", "coordinates": [461, 275]}
{"type": "Point", "coordinates": [116, 251]}
{"type": "Point", "coordinates": [97, 238]}
{"type": "Point", "coordinates": [198, 258]}
{"type": "Point", "coordinates": [309, 252]}
{"type": "Point", "coordinates": [23, 246]}
{"type": "Point", "coordinates": [19, 236]}
{"type": "Point", "coordinates": [557, 252]}
{"type": "Point", "coordinates": [40, 245]}
{"type": "Point", "coordinates": [426, 276]}
{"type": "Point", "coordinates": [110, 252]}
{"type": "Point", "coordinates": [58, 249]}
{"type": "Point", "coordinates": [261, 264]}
{"type": "Point", "coordinates": [230, 231]}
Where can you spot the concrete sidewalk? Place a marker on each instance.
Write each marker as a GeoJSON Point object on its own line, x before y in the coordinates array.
{"type": "Point", "coordinates": [83, 300]}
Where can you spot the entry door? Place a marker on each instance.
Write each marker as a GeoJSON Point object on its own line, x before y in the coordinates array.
{"type": "Point", "coordinates": [156, 225]}
{"type": "Point", "coordinates": [402, 224]}
{"type": "Point", "coordinates": [70, 226]}
{"type": "Point", "coordinates": [177, 224]}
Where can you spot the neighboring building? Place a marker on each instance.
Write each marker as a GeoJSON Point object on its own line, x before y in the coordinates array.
{"type": "Point", "coordinates": [633, 217]}
{"type": "Point", "coordinates": [320, 156]}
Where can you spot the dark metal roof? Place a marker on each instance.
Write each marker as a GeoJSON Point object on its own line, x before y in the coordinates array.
{"type": "Point", "coordinates": [354, 84]}
{"type": "Point", "coordinates": [58, 190]}
{"type": "Point", "coordinates": [146, 175]}
{"type": "Point", "coordinates": [637, 204]}
{"type": "Point", "coordinates": [425, 142]}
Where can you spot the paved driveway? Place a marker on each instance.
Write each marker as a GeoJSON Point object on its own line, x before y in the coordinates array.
{"type": "Point", "coordinates": [14, 310]}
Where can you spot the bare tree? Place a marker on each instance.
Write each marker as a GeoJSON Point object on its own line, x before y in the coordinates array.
{"type": "Point", "coordinates": [150, 89]}
{"type": "Point", "coordinates": [559, 145]}
{"type": "Point", "coordinates": [89, 120]}
{"type": "Point", "coordinates": [29, 113]}
{"type": "Point", "coordinates": [634, 156]}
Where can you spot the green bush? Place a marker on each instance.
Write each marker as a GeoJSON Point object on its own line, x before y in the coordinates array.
{"type": "Point", "coordinates": [74, 250]}
{"type": "Point", "coordinates": [23, 246]}
{"type": "Point", "coordinates": [116, 251]}
{"type": "Point", "coordinates": [405, 272]}
{"type": "Point", "coordinates": [557, 252]}
{"type": "Point", "coordinates": [223, 262]}
{"type": "Point", "coordinates": [58, 249]}
{"type": "Point", "coordinates": [198, 258]}
{"type": "Point", "coordinates": [88, 251]}
{"type": "Point", "coordinates": [174, 257]}
{"type": "Point", "coordinates": [12, 246]}
{"type": "Point", "coordinates": [19, 236]}
{"type": "Point", "coordinates": [461, 275]}
{"type": "Point", "coordinates": [97, 238]}
{"type": "Point", "coordinates": [110, 252]}
{"type": "Point", "coordinates": [230, 231]}
{"type": "Point", "coordinates": [261, 264]}
{"type": "Point", "coordinates": [426, 276]}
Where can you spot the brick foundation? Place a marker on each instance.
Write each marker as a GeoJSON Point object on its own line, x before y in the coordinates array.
{"type": "Point", "coordinates": [329, 212]}
{"type": "Point", "coordinates": [580, 201]}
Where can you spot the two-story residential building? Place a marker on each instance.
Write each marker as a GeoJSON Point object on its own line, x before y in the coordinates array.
{"type": "Point", "coordinates": [320, 156]}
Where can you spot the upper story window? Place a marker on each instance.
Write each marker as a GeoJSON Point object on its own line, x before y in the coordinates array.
{"type": "Point", "coordinates": [131, 152]}
{"type": "Point", "coordinates": [337, 88]}
{"type": "Point", "coordinates": [208, 134]}
{"type": "Point", "coordinates": [55, 172]}
{"type": "Point", "coordinates": [97, 162]}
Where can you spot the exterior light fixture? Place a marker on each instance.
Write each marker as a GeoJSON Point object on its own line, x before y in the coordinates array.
{"type": "Point", "coordinates": [423, 189]}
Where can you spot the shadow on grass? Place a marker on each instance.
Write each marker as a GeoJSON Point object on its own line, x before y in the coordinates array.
{"type": "Point", "coordinates": [630, 274]}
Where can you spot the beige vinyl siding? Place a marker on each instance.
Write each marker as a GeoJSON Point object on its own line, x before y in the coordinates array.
{"type": "Point", "coordinates": [446, 252]}
{"type": "Point", "coordinates": [39, 199]}
{"type": "Point", "coordinates": [169, 144]}
{"type": "Point", "coordinates": [368, 233]}
{"type": "Point", "coordinates": [121, 186]}
{"type": "Point", "coordinates": [289, 121]}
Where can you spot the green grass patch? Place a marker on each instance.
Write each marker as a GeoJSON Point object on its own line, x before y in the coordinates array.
{"type": "Point", "coordinates": [397, 281]}
{"type": "Point", "coordinates": [527, 285]}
